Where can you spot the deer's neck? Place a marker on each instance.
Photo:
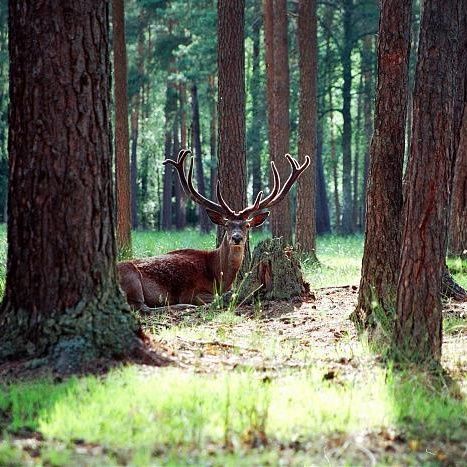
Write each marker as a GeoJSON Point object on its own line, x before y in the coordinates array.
{"type": "Point", "coordinates": [228, 260]}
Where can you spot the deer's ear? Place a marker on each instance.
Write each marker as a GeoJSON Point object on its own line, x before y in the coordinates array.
{"type": "Point", "coordinates": [216, 217]}
{"type": "Point", "coordinates": [258, 219]}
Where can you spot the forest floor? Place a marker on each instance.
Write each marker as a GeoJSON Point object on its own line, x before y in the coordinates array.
{"type": "Point", "coordinates": [271, 384]}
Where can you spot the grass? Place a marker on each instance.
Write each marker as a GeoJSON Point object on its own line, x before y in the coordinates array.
{"type": "Point", "coordinates": [249, 415]}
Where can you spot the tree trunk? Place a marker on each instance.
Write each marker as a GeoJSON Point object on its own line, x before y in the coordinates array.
{"type": "Point", "coordinates": [305, 233]}
{"type": "Point", "coordinates": [356, 163]}
{"type": "Point", "coordinates": [134, 121]}
{"type": "Point", "coordinates": [323, 223]}
{"type": "Point", "coordinates": [122, 156]}
{"type": "Point", "coordinates": [231, 103]}
{"type": "Point", "coordinates": [61, 299]}
{"type": "Point", "coordinates": [418, 330]}
{"type": "Point", "coordinates": [332, 142]}
{"type": "Point", "coordinates": [367, 54]}
{"type": "Point", "coordinates": [178, 190]}
{"type": "Point", "coordinates": [458, 220]}
{"type": "Point", "coordinates": [380, 266]}
{"type": "Point", "coordinates": [281, 221]}
{"type": "Point", "coordinates": [181, 216]}
{"type": "Point", "coordinates": [347, 226]}
{"type": "Point", "coordinates": [257, 112]}
{"type": "Point", "coordinates": [213, 135]}
{"type": "Point", "coordinates": [168, 174]}
{"type": "Point", "coordinates": [204, 222]}
{"type": "Point", "coordinates": [268, 21]}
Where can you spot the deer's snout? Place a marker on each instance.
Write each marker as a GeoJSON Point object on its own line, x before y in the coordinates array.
{"type": "Point", "coordinates": [237, 238]}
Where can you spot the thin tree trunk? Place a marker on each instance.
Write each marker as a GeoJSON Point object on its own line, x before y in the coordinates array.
{"type": "Point", "coordinates": [356, 163]}
{"type": "Point", "coordinates": [213, 134]}
{"type": "Point", "coordinates": [347, 226]}
{"type": "Point", "coordinates": [380, 267]}
{"type": "Point", "coordinates": [231, 103]}
{"type": "Point", "coordinates": [367, 54]}
{"type": "Point", "coordinates": [181, 218]}
{"type": "Point", "coordinates": [458, 219]}
{"type": "Point", "coordinates": [204, 222]}
{"type": "Point", "coordinates": [122, 156]}
{"type": "Point", "coordinates": [134, 121]}
{"type": "Point", "coordinates": [305, 233]}
{"type": "Point", "coordinates": [281, 221]}
{"type": "Point", "coordinates": [418, 330]}
{"type": "Point", "coordinates": [257, 111]}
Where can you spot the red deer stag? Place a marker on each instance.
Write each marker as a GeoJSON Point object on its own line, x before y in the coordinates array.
{"type": "Point", "coordinates": [192, 276]}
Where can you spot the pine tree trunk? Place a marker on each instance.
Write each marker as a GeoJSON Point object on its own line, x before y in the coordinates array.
{"type": "Point", "coordinates": [204, 222]}
{"type": "Point", "coordinates": [231, 103]}
{"type": "Point", "coordinates": [380, 266]}
{"type": "Point", "coordinates": [367, 54]}
{"type": "Point", "coordinates": [257, 112]}
{"type": "Point", "coordinates": [281, 220]}
{"type": "Point", "coordinates": [61, 299]}
{"type": "Point", "coordinates": [418, 330]}
{"type": "Point", "coordinates": [122, 156]}
{"type": "Point", "coordinates": [213, 135]}
{"type": "Point", "coordinates": [134, 122]}
{"type": "Point", "coordinates": [458, 220]}
{"type": "Point", "coordinates": [347, 226]}
{"type": "Point", "coordinates": [305, 233]}
{"type": "Point", "coordinates": [181, 217]}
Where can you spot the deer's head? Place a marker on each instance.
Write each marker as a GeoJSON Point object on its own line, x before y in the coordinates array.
{"type": "Point", "coordinates": [238, 223]}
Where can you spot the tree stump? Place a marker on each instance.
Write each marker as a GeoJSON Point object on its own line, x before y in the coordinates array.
{"type": "Point", "coordinates": [274, 274]}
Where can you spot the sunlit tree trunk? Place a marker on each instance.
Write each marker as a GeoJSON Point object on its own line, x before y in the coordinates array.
{"type": "Point", "coordinates": [418, 330]}
{"type": "Point", "coordinates": [305, 233]}
{"type": "Point", "coordinates": [380, 268]}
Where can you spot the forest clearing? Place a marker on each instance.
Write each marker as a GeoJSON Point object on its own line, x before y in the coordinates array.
{"type": "Point", "coordinates": [233, 232]}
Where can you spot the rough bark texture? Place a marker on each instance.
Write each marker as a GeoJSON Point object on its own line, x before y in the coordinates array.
{"type": "Point", "coordinates": [281, 221]}
{"type": "Point", "coordinates": [134, 123]}
{"type": "Point", "coordinates": [458, 221]}
{"type": "Point", "coordinates": [122, 156]}
{"type": "Point", "coordinates": [367, 54]}
{"type": "Point", "coordinates": [231, 103]}
{"type": "Point", "coordinates": [204, 222]}
{"type": "Point", "coordinates": [418, 333]}
{"type": "Point", "coordinates": [268, 20]}
{"type": "Point", "coordinates": [62, 299]}
{"type": "Point", "coordinates": [380, 267]}
{"type": "Point", "coordinates": [257, 111]}
{"type": "Point", "coordinates": [275, 274]}
{"type": "Point", "coordinates": [305, 231]}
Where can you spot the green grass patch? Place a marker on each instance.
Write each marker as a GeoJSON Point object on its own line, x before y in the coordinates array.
{"type": "Point", "coordinates": [174, 413]}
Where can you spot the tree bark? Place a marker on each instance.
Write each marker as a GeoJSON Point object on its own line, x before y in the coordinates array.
{"type": "Point", "coordinates": [418, 329]}
{"type": "Point", "coordinates": [181, 216]}
{"type": "Point", "coordinates": [134, 123]}
{"type": "Point", "coordinates": [204, 222]}
{"type": "Point", "coordinates": [231, 103]}
{"type": "Point", "coordinates": [367, 54]}
{"type": "Point", "coordinates": [380, 266]}
{"type": "Point", "coordinates": [305, 233]}
{"type": "Point", "coordinates": [122, 156]}
{"type": "Point", "coordinates": [347, 226]}
{"type": "Point", "coordinates": [257, 112]}
{"type": "Point", "coordinates": [458, 219]}
{"type": "Point", "coordinates": [61, 300]}
{"type": "Point", "coordinates": [281, 221]}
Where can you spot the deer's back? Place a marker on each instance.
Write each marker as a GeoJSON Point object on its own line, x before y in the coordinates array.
{"type": "Point", "coordinates": [174, 277]}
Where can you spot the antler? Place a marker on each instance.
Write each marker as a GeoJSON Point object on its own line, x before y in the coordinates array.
{"type": "Point", "coordinates": [277, 193]}
{"type": "Point", "coordinates": [187, 184]}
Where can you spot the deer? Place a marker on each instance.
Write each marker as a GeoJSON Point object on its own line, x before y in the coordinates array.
{"type": "Point", "coordinates": [188, 277]}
